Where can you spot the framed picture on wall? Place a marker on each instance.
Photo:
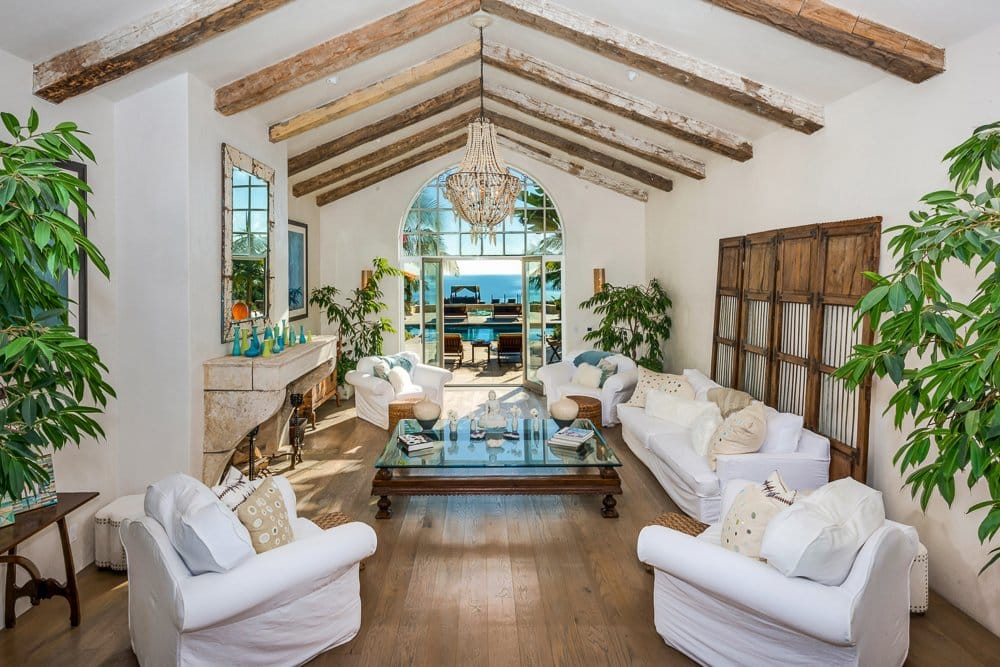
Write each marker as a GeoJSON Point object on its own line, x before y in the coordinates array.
{"type": "Point", "coordinates": [298, 270]}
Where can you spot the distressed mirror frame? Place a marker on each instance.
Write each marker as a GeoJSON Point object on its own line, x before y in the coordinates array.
{"type": "Point", "coordinates": [234, 157]}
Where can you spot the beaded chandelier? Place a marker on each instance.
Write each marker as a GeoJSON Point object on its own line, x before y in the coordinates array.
{"type": "Point", "coordinates": [482, 191]}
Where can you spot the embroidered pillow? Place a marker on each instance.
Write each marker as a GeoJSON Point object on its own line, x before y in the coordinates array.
{"type": "Point", "coordinates": [588, 375]}
{"type": "Point", "coordinates": [752, 509]}
{"type": "Point", "coordinates": [649, 380]}
{"type": "Point", "coordinates": [729, 400]}
{"type": "Point", "coordinates": [235, 488]}
{"type": "Point", "coordinates": [592, 357]}
{"type": "Point", "coordinates": [264, 514]}
{"type": "Point", "coordinates": [608, 368]}
{"type": "Point", "coordinates": [741, 433]}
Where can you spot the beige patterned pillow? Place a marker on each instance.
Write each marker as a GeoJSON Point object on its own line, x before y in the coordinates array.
{"type": "Point", "coordinates": [264, 514]}
{"type": "Point", "coordinates": [751, 511]}
{"type": "Point", "coordinates": [650, 380]}
{"type": "Point", "coordinates": [742, 433]}
{"type": "Point", "coordinates": [729, 400]}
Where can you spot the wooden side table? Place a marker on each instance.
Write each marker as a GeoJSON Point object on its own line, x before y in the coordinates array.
{"type": "Point", "coordinates": [27, 525]}
{"type": "Point", "coordinates": [401, 409]}
{"type": "Point", "coordinates": [590, 408]}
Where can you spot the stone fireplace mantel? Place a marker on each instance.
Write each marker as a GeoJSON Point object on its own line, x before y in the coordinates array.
{"type": "Point", "coordinates": [244, 392]}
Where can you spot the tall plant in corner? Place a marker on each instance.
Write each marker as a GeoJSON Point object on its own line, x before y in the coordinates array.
{"type": "Point", "coordinates": [634, 322]}
{"type": "Point", "coordinates": [938, 349]}
{"type": "Point", "coordinates": [358, 318]}
{"type": "Point", "coordinates": [51, 382]}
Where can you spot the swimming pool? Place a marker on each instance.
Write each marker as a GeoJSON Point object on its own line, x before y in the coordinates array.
{"type": "Point", "coordinates": [471, 332]}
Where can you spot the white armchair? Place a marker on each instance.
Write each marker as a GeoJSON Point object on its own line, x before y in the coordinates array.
{"type": "Point", "coordinates": [281, 607]}
{"type": "Point", "coordinates": [373, 394]}
{"type": "Point", "coordinates": [558, 382]}
{"type": "Point", "coordinates": [722, 608]}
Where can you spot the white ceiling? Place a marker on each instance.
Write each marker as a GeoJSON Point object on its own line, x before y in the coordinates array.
{"type": "Point", "coordinates": [695, 27]}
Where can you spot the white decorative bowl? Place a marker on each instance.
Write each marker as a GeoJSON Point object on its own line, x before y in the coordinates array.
{"type": "Point", "coordinates": [427, 413]}
{"type": "Point", "coordinates": [564, 411]}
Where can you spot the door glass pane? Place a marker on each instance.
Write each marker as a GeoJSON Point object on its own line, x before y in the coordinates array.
{"type": "Point", "coordinates": [534, 321]}
{"type": "Point", "coordinates": [553, 311]}
{"type": "Point", "coordinates": [430, 299]}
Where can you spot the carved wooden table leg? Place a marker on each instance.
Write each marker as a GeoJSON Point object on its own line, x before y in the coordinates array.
{"type": "Point", "coordinates": [609, 511]}
{"type": "Point", "coordinates": [384, 504]}
{"type": "Point", "coordinates": [72, 592]}
{"type": "Point", "coordinates": [9, 619]}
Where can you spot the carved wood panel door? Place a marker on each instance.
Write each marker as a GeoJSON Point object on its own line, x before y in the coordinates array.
{"type": "Point", "coordinates": [727, 311]}
{"type": "Point", "coordinates": [757, 314]}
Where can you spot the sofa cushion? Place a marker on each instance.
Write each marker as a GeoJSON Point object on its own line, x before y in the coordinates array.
{"type": "Point", "coordinates": [608, 368]}
{"type": "Point", "coordinates": [752, 509]}
{"type": "Point", "coordinates": [784, 430]}
{"type": "Point", "coordinates": [650, 380]}
{"type": "Point", "coordinates": [592, 357]}
{"type": "Point", "coordinates": [700, 382]}
{"type": "Point", "coordinates": [644, 427]}
{"type": "Point", "coordinates": [573, 389]}
{"type": "Point", "coordinates": [741, 433]}
{"type": "Point", "coordinates": [674, 449]}
{"type": "Point", "coordinates": [588, 375]}
{"type": "Point", "coordinates": [819, 536]}
{"type": "Point", "coordinates": [266, 518]}
{"type": "Point", "coordinates": [203, 531]}
{"type": "Point", "coordinates": [400, 380]}
{"type": "Point", "coordinates": [681, 411]}
{"type": "Point", "coordinates": [729, 400]}
{"type": "Point", "coordinates": [702, 430]}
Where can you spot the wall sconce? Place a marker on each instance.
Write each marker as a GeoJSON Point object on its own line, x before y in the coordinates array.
{"type": "Point", "coordinates": [599, 280]}
{"type": "Point", "coordinates": [366, 275]}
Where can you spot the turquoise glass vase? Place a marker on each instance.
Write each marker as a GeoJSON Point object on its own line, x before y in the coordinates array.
{"type": "Point", "coordinates": [268, 332]}
{"type": "Point", "coordinates": [302, 334]}
{"type": "Point", "coordinates": [237, 341]}
{"type": "Point", "coordinates": [279, 341]}
{"type": "Point", "coordinates": [254, 349]}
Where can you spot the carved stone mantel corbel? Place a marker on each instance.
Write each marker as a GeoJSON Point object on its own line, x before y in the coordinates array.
{"type": "Point", "coordinates": [243, 392]}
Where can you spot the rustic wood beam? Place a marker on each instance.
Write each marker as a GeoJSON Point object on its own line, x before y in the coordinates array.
{"type": "Point", "coordinates": [341, 52]}
{"type": "Point", "coordinates": [617, 101]}
{"type": "Point", "coordinates": [363, 98]}
{"type": "Point", "coordinates": [580, 171]}
{"type": "Point", "coordinates": [163, 33]}
{"type": "Point", "coordinates": [642, 53]}
{"type": "Point", "coordinates": [596, 130]}
{"type": "Point", "coordinates": [849, 33]}
{"type": "Point", "coordinates": [377, 130]}
{"type": "Point", "coordinates": [582, 152]}
{"type": "Point", "coordinates": [390, 170]}
{"type": "Point", "coordinates": [385, 154]}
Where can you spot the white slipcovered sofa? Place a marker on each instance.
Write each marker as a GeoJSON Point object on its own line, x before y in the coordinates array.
{"type": "Point", "coordinates": [280, 607]}
{"type": "Point", "coordinates": [558, 382]}
{"type": "Point", "coordinates": [373, 394]}
{"type": "Point", "coordinates": [723, 608]}
{"type": "Point", "coordinates": [665, 448]}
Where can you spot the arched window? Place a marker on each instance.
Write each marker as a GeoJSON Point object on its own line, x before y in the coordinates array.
{"type": "Point", "coordinates": [432, 229]}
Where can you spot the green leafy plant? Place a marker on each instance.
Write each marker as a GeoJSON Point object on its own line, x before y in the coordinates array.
{"type": "Point", "coordinates": [634, 322]}
{"type": "Point", "coordinates": [358, 317]}
{"type": "Point", "coordinates": [940, 350]}
{"type": "Point", "coordinates": [51, 382]}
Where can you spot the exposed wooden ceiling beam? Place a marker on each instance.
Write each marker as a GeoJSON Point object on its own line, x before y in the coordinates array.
{"type": "Point", "coordinates": [385, 154]}
{"type": "Point", "coordinates": [363, 98]}
{"type": "Point", "coordinates": [341, 52]}
{"type": "Point", "coordinates": [377, 130]}
{"type": "Point", "coordinates": [617, 101]}
{"type": "Point", "coordinates": [578, 170]}
{"type": "Point", "coordinates": [838, 29]}
{"type": "Point", "coordinates": [582, 152]}
{"type": "Point", "coordinates": [602, 132]}
{"type": "Point", "coordinates": [171, 30]}
{"type": "Point", "coordinates": [390, 170]}
{"type": "Point", "coordinates": [645, 54]}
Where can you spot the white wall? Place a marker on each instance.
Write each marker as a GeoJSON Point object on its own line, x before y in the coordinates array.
{"type": "Point", "coordinates": [93, 466]}
{"type": "Point", "coordinates": [880, 151]}
{"type": "Point", "coordinates": [304, 210]}
{"type": "Point", "coordinates": [601, 227]}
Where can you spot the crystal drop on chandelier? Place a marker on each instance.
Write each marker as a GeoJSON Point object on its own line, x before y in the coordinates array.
{"type": "Point", "coordinates": [482, 191]}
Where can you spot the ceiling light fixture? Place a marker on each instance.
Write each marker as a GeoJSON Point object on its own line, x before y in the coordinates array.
{"type": "Point", "coordinates": [482, 191]}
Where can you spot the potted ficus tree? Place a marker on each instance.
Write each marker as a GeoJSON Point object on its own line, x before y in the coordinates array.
{"type": "Point", "coordinates": [52, 383]}
{"type": "Point", "coordinates": [358, 319]}
{"type": "Point", "coordinates": [634, 322]}
{"type": "Point", "coordinates": [938, 349]}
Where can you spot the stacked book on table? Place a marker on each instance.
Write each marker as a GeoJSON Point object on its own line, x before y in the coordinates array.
{"type": "Point", "coordinates": [416, 443]}
{"type": "Point", "coordinates": [570, 439]}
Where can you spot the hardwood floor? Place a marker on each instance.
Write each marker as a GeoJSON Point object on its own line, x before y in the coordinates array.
{"type": "Point", "coordinates": [506, 580]}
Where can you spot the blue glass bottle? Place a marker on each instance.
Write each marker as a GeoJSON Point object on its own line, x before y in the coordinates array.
{"type": "Point", "coordinates": [237, 341]}
{"type": "Point", "coordinates": [279, 339]}
{"type": "Point", "coordinates": [302, 334]}
{"type": "Point", "coordinates": [254, 349]}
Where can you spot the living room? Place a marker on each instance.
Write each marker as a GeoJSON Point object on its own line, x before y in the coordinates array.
{"type": "Point", "coordinates": [291, 201]}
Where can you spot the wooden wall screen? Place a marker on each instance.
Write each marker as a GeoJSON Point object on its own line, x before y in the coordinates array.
{"type": "Point", "coordinates": [784, 322]}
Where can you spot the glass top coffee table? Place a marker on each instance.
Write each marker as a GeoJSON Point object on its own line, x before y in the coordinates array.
{"type": "Point", "coordinates": [527, 465]}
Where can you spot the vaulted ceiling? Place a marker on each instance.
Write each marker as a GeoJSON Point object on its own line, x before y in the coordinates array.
{"type": "Point", "coordinates": [628, 95]}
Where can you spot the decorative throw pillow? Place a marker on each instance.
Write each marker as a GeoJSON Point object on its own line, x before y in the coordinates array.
{"type": "Point", "coordinates": [700, 382]}
{"type": "Point", "coordinates": [264, 514]}
{"type": "Point", "coordinates": [703, 428]}
{"type": "Point", "coordinates": [608, 368]}
{"type": "Point", "coordinates": [741, 433]}
{"type": "Point", "coordinates": [753, 508]}
{"type": "Point", "coordinates": [399, 379]}
{"type": "Point", "coordinates": [587, 375]}
{"type": "Point", "coordinates": [592, 357]}
{"type": "Point", "coordinates": [729, 400]}
{"type": "Point", "coordinates": [649, 380]}
{"type": "Point", "coordinates": [380, 369]}
{"type": "Point", "coordinates": [235, 488]}
{"type": "Point", "coordinates": [674, 409]}
{"type": "Point", "coordinates": [784, 430]}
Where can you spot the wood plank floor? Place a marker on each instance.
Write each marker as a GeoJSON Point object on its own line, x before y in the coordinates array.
{"type": "Point", "coordinates": [514, 580]}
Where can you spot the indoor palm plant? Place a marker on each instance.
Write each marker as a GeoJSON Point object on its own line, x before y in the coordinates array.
{"type": "Point", "coordinates": [358, 318]}
{"type": "Point", "coordinates": [941, 350]}
{"type": "Point", "coordinates": [52, 383]}
{"type": "Point", "coordinates": [634, 322]}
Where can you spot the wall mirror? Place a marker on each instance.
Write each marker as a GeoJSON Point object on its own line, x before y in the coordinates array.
{"type": "Point", "coordinates": [247, 237]}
